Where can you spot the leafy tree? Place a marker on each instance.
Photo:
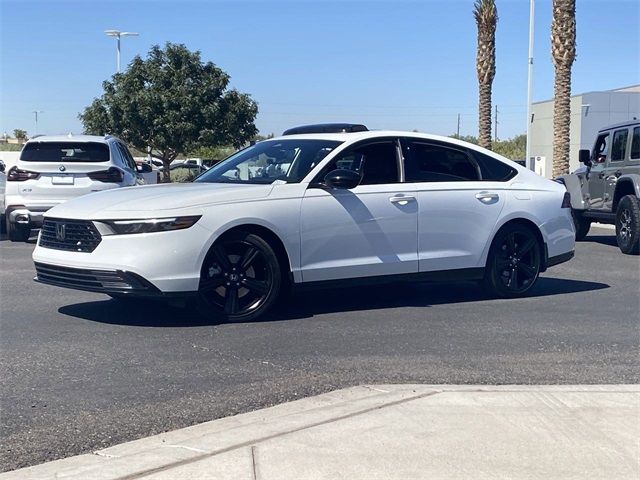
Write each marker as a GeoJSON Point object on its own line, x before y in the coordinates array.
{"type": "Point", "coordinates": [513, 149]}
{"type": "Point", "coordinates": [174, 103]}
{"type": "Point", "coordinates": [486, 16]}
{"type": "Point", "coordinates": [563, 52]}
{"type": "Point", "coordinates": [20, 134]}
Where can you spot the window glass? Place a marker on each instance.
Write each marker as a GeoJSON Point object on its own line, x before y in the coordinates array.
{"type": "Point", "coordinates": [493, 169]}
{"type": "Point", "coordinates": [377, 162]}
{"type": "Point", "coordinates": [126, 156]}
{"type": "Point", "coordinates": [65, 152]}
{"type": "Point", "coordinates": [601, 149]}
{"type": "Point", "coordinates": [619, 146]}
{"type": "Point", "coordinates": [435, 163]}
{"type": "Point", "coordinates": [635, 143]}
{"type": "Point", "coordinates": [270, 160]}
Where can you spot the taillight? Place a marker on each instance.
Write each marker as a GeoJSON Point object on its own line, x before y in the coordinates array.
{"type": "Point", "coordinates": [113, 175]}
{"type": "Point", "coordinates": [17, 175]}
{"type": "Point", "coordinates": [566, 200]}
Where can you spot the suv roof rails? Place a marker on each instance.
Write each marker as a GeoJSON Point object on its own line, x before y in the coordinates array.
{"type": "Point", "coordinates": [36, 136]}
{"type": "Point", "coordinates": [108, 136]}
{"type": "Point", "coordinates": [327, 128]}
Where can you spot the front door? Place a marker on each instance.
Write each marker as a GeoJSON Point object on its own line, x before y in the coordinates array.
{"type": "Point", "coordinates": [369, 230]}
{"type": "Point", "coordinates": [599, 158]}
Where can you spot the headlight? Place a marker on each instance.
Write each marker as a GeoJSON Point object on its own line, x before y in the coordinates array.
{"type": "Point", "coordinates": [128, 227]}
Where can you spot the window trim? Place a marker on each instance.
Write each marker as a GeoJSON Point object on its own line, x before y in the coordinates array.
{"type": "Point", "coordinates": [436, 143]}
{"type": "Point", "coordinates": [631, 158]}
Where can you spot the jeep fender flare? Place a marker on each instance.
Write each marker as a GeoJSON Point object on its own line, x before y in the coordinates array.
{"type": "Point", "coordinates": [627, 184]}
{"type": "Point", "coordinates": [573, 185]}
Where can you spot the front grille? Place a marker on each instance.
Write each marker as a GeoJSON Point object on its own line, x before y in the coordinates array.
{"type": "Point", "coordinates": [92, 280]}
{"type": "Point", "coordinates": [69, 235]}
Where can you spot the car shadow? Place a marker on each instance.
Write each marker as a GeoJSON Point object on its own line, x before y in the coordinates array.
{"type": "Point", "coordinates": [609, 240]}
{"type": "Point", "coordinates": [311, 303]}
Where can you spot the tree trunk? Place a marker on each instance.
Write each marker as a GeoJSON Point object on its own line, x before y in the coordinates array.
{"type": "Point", "coordinates": [166, 172]}
{"type": "Point", "coordinates": [484, 119]}
{"type": "Point", "coordinates": [561, 121]}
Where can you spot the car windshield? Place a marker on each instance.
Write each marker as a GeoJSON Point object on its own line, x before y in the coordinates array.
{"type": "Point", "coordinates": [270, 160]}
{"type": "Point", "coordinates": [65, 152]}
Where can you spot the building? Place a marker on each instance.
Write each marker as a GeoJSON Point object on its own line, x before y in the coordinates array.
{"type": "Point", "coordinates": [589, 113]}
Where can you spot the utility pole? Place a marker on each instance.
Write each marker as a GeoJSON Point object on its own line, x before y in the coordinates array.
{"type": "Point", "coordinates": [36, 112]}
{"type": "Point", "coordinates": [495, 128]}
{"type": "Point", "coordinates": [117, 35]}
{"type": "Point", "coordinates": [530, 84]}
{"type": "Point", "coordinates": [458, 131]}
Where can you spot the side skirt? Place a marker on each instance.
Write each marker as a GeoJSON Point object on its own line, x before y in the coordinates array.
{"type": "Point", "coordinates": [457, 275]}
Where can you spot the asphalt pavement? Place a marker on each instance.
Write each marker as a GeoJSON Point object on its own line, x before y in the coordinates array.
{"type": "Point", "coordinates": [80, 372]}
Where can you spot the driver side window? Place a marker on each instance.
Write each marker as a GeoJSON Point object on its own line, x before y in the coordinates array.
{"type": "Point", "coordinates": [601, 149]}
{"type": "Point", "coordinates": [376, 162]}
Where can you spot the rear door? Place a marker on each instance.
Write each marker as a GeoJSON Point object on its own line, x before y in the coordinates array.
{"type": "Point", "coordinates": [63, 169]}
{"type": "Point", "coordinates": [614, 167]}
{"type": "Point", "coordinates": [457, 207]}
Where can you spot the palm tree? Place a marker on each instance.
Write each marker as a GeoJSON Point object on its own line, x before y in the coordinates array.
{"type": "Point", "coordinates": [563, 51]}
{"type": "Point", "coordinates": [486, 16]}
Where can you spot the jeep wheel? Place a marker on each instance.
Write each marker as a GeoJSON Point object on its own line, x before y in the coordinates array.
{"type": "Point", "coordinates": [17, 232]}
{"type": "Point", "coordinates": [628, 225]}
{"type": "Point", "coordinates": [582, 224]}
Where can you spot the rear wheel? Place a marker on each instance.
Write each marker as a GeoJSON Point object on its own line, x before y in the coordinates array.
{"type": "Point", "coordinates": [18, 232]}
{"type": "Point", "coordinates": [628, 225]}
{"type": "Point", "coordinates": [240, 278]}
{"type": "Point", "coordinates": [581, 223]}
{"type": "Point", "coordinates": [514, 262]}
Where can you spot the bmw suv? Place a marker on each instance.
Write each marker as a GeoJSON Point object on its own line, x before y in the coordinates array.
{"type": "Point", "coordinates": [54, 169]}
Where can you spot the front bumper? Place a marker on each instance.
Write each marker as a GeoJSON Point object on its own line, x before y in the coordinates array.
{"type": "Point", "coordinates": [32, 216]}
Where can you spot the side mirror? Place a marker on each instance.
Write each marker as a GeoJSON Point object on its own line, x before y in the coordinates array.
{"type": "Point", "coordinates": [2, 166]}
{"type": "Point", "coordinates": [342, 178]}
{"type": "Point", "coordinates": [584, 156]}
{"type": "Point", "coordinates": [144, 168]}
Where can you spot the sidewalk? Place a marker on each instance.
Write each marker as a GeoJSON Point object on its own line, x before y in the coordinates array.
{"type": "Point", "coordinates": [392, 432]}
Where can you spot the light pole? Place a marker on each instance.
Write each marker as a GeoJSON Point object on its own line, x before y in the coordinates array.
{"type": "Point", "coordinates": [117, 34]}
{"type": "Point", "coordinates": [527, 160]}
{"type": "Point", "coordinates": [36, 112]}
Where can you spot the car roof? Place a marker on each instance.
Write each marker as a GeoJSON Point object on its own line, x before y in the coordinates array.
{"type": "Point", "coordinates": [628, 123]}
{"type": "Point", "coordinates": [72, 138]}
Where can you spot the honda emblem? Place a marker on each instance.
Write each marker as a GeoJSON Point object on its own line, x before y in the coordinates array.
{"type": "Point", "coordinates": [61, 231]}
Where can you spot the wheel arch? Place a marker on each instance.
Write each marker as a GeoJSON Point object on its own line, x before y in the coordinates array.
{"type": "Point", "coordinates": [574, 186]}
{"type": "Point", "coordinates": [529, 224]}
{"type": "Point", "coordinates": [268, 235]}
{"type": "Point", "coordinates": [626, 185]}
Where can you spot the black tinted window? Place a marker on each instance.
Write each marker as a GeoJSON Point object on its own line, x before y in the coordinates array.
{"type": "Point", "coordinates": [619, 147]}
{"type": "Point", "coordinates": [377, 162]}
{"type": "Point", "coordinates": [65, 152]}
{"type": "Point", "coordinates": [493, 169]}
{"type": "Point", "coordinates": [635, 143]}
{"type": "Point", "coordinates": [435, 163]}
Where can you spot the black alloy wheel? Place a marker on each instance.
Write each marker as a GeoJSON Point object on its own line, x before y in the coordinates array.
{"type": "Point", "coordinates": [514, 261]}
{"type": "Point", "coordinates": [628, 225]}
{"type": "Point", "coordinates": [240, 278]}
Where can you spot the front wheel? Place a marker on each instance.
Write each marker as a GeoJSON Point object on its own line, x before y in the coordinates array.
{"type": "Point", "coordinates": [628, 225]}
{"type": "Point", "coordinates": [514, 261]}
{"type": "Point", "coordinates": [240, 278]}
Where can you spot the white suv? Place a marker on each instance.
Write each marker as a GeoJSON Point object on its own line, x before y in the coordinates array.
{"type": "Point", "coordinates": [54, 169]}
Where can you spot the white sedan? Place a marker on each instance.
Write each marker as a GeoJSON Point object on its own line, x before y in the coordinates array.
{"type": "Point", "coordinates": [309, 209]}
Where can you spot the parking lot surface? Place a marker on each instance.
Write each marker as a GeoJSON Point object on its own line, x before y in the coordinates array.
{"type": "Point", "coordinates": [80, 372]}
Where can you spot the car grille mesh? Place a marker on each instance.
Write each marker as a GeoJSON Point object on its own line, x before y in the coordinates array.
{"type": "Point", "coordinates": [91, 280]}
{"type": "Point", "coordinates": [69, 235]}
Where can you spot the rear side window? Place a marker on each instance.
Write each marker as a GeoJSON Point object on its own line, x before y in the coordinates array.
{"type": "Point", "coordinates": [494, 170]}
{"type": "Point", "coordinates": [619, 147]}
{"type": "Point", "coordinates": [435, 163]}
{"type": "Point", "coordinates": [635, 144]}
{"type": "Point", "coordinates": [65, 152]}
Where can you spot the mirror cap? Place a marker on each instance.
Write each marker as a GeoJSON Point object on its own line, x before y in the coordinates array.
{"type": "Point", "coordinates": [584, 156]}
{"type": "Point", "coordinates": [342, 178]}
{"type": "Point", "coordinates": [327, 128]}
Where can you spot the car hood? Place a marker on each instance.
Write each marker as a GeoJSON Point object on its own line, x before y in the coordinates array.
{"type": "Point", "coordinates": [132, 201]}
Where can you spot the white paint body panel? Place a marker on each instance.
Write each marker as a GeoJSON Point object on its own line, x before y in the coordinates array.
{"type": "Point", "coordinates": [326, 234]}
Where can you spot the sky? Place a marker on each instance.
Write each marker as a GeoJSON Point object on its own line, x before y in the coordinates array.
{"type": "Point", "coordinates": [388, 64]}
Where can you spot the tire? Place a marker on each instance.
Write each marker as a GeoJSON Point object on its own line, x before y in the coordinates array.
{"type": "Point", "coordinates": [628, 225]}
{"type": "Point", "coordinates": [3, 224]}
{"type": "Point", "coordinates": [582, 224]}
{"type": "Point", "coordinates": [18, 233]}
{"type": "Point", "coordinates": [514, 262]}
{"type": "Point", "coordinates": [240, 279]}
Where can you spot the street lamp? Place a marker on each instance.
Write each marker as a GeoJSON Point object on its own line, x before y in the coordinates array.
{"type": "Point", "coordinates": [527, 160]}
{"type": "Point", "coordinates": [117, 34]}
{"type": "Point", "coordinates": [36, 112]}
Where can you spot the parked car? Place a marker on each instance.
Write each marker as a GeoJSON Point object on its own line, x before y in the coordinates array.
{"type": "Point", "coordinates": [607, 189]}
{"type": "Point", "coordinates": [313, 209]}
{"type": "Point", "coordinates": [54, 169]}
{"type": "Point", "coordinates": [185, 172]}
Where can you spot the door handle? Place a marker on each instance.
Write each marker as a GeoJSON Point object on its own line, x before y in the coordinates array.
{"type": "Point", "coordinates": [488, 197]}
{"type": "Point", "coordinates": [402, 199]}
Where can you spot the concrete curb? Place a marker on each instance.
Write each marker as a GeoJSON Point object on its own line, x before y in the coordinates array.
{"type": "Point", "coordinates": [308, 438]}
